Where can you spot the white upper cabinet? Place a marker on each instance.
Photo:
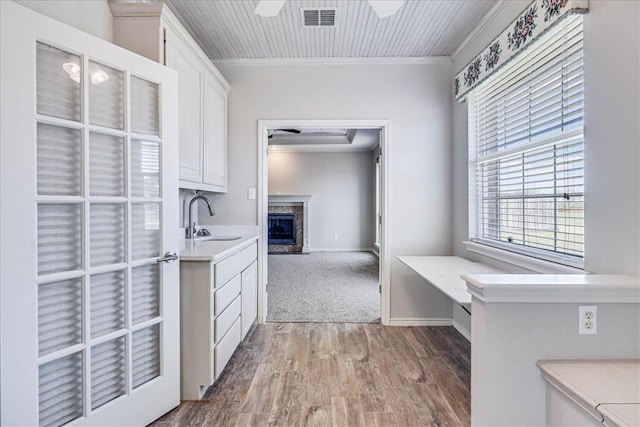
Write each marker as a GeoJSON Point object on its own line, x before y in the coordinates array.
{"type": "Point", "coordinates": [189, 109]}
{"type": "Point", "coordinates": [153, 31]}
{"type": "Point", "coordinates": [215, 134]}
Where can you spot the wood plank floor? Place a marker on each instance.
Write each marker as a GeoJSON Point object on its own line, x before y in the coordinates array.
{"type": "Point", "coordinates": [338, 374]}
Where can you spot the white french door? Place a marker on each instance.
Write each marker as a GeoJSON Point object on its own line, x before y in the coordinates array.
{"type": "Point", "coordinates": [88, 149]}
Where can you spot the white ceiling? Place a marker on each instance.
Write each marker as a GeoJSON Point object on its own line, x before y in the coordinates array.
{"type": "Point", "coordinates": [324, 140]}
{"type": "Point", "coordinates": [229, 29]}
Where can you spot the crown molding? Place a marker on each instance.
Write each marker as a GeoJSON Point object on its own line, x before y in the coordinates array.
{"type": "Point", "coordinates": [335, 60]}
{"type": "Point", "coordinates": [147, 8]}
{"type": "Point", "coordinates": [486, 19]}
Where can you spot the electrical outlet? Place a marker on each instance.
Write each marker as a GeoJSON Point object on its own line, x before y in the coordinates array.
{"type": "Point", "coordinates": [335, 237]}
{"type": "Point", "coordinates": [251, 194]}
{"type": "Point", "coordinates": [587, 320]}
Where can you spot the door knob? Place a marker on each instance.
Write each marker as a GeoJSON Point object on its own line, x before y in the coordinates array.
{"type": "Point", "coordinates": [168, 257]}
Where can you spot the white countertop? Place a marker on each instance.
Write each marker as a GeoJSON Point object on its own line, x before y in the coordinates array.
{"type": "Point", "coordinates": [214, 250]}
{"type": "Point", "coordinates": [444, 273]}
{"type": "Point", "coordinates": [608, 389]}
{"type": "Point", "coordinates": [554, 288]}
{"type": "Point", "coordinates": [620, 414]}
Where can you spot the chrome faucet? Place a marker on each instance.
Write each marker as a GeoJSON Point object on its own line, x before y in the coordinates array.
{"type": "Point", "coordinates": [191, 227]}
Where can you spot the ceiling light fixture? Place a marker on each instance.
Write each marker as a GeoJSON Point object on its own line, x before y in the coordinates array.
{"type": "Point", "coordinates": [269, 8]}
{"type": "Point", "coordinates": [99, 76]}
{"type": "Point", "coordinates": [384, 8]}
{"type": "Point", "coordinates": [73, 70]}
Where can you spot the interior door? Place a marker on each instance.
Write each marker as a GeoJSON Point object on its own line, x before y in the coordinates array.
{"type": "Point", "coordinates": [88, 149]}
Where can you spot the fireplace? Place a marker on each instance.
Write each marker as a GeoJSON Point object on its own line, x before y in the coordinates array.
{"type": "Point", "coordinates": [282, 228]}
{"type": "Point", "coordinates": [294, 209]}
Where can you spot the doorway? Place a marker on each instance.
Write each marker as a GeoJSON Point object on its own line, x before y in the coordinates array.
{"type": "Point", "coordinates": [266, 128]}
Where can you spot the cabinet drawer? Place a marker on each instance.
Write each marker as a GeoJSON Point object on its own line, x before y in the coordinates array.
{"type": "Point", "coordinates": [225, 348]}
{"type": "Point", "coordinates": [224, 321]}
{"type": "Point", "coordinates": [233, 265]}
{"type": "Point", "coordinates": [226, 294]}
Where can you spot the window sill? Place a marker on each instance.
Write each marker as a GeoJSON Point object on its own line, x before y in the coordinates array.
{"type": "Point", "coordinates": [530, 263]}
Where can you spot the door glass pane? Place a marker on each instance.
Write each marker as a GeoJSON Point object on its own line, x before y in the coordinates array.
{"type": "Point", "coordinates": [107, 303]}
{"type": "Point", "coordinates": [59, 160]}
{"type": "Point", "coordinates": [107, 234]}
{"type": "Point", "coordinates": [145, 293]}
{"type": "Point", "coordinates": [144, 107]}
{"type": "Point", "coordinates": [145, 230]}
{"type": "Point", "coordinates": [106, 171]}
{"type": "Point", "coordinates": [59, 238]}
{"type": "Point", "coordinates": [59, 315]}
{"type": "Point", "coordinates": [146, 355]}
{"type": "Point", "coordinates": [145, 169]}
{"type": "Point", "coordinates": [106, 100]}
{"type": "Point", "coordinates": [108, 379]}
{"type": "Point", "coordinates": [60, 391]}
{"type": "Point", "coordinates": [58, 77]}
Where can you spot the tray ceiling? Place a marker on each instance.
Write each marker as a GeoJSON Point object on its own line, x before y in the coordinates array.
{"type": "Point", "coordinates": [323, 139]}
{"type": "Point", "coordinates": [229, 29]}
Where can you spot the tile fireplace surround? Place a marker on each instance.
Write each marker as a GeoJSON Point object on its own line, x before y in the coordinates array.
{"type": "Point", "coordinates": [300, 205]}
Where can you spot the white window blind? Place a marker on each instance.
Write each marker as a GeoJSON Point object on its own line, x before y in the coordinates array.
{"type": "Point", "coordinates": [60, 390]}
{"type": "Point", "coordinates": [526, 150]}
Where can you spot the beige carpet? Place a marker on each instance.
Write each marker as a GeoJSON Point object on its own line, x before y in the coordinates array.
{"type": "Point", "coordinates": [323, 287]}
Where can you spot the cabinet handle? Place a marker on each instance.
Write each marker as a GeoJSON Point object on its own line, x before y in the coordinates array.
{"type": "Point", "coordinates": [168, 257]}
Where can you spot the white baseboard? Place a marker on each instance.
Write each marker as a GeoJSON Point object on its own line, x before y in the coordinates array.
{"type": "Point", "coordinates": [462, 330]}
{"type": "Point", "coordinates": [341, 250]}
{"type": "Point", "coordinates": [418, 321]}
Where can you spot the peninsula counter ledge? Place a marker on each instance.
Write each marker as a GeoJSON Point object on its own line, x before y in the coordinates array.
{"type": "Point", "coordinates": [592, 392]}
{"type": "Point", "coordinates": [519, 319]}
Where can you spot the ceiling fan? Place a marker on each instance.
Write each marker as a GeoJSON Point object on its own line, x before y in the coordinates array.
{"type": "Point", "coordinates": [383, 8]}
{"type": "Point", "coordinates": [296, 131]}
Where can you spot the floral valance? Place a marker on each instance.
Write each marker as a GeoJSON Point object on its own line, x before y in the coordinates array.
{"type": "Point", "coordinates": [535, 20]}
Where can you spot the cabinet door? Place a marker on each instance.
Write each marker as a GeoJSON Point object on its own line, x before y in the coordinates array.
{"type": "Point", "coordinates": [180, 58]}
{"type": "Point", "coordinates": [88, 148]}
{"type": "Point", "coordinates": [249, 297]}
{"type": "Point", "coordinates": [215, 135]}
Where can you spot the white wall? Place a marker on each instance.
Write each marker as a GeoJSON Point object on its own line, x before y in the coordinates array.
{"type": "Point", "coordinates": [90, 16]}
{"type": "Point", "coordinates": [508, 338]}
{"type": "Point", "coordinates": [342, 190]}
{"type": "Point", "coordinates": [612, 135]}
{"type": "Point", "coordinates": [417, 100]}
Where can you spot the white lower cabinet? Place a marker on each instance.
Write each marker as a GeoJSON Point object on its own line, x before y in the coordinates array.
{"type": "Point", "coordinates": [227, 345]}
{"type": "Point", "coordinates": [249, 297]}
{"type": "Point", "coordinates": [226, 319]}
{"type": "Point", "coordinates": [218, 302]}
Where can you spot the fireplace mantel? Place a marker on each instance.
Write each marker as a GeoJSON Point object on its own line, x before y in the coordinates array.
{"type": "Point", "coordinates": [296, 200]}
{"type": "Point", "coordinates": [279, 199]}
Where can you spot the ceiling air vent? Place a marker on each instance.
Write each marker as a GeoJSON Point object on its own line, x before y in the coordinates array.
{"type": "Point", "coordinates": [318, 17]}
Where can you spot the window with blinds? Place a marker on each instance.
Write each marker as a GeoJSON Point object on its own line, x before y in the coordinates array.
{"type": "Point", "coordinates": [527, 150]}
